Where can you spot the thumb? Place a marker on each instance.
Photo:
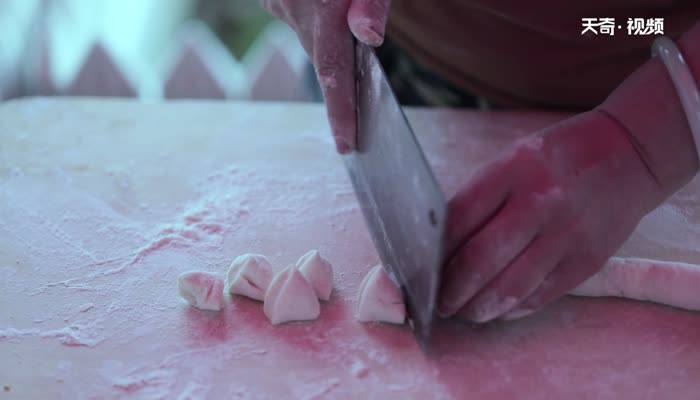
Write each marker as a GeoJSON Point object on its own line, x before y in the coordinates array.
{"type": "Point", "coordinates": [367, 20]}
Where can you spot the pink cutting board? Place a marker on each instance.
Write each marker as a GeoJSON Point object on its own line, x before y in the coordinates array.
{"type": "Point", "coordinates": [104, 202]}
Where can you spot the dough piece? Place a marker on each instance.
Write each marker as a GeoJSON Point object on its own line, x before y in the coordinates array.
{"type": "Point", "coordinates": [319, 272]}
{"type": "Point", "coordinates": [202, 290]}
{"type": "Point", "coordinates": [249, 275]}
{"type": "Point", "coordinates": [290, 297]}
{"type": "Point", "coordinates": [379, 299]}
{"type": "Point", "coordinates": [672, 283]}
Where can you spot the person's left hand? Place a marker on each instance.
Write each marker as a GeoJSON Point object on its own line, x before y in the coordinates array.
{"type": "Point", "coordinates": [543, 217]}
{"type": "Point", "coordinates": [325, 30]}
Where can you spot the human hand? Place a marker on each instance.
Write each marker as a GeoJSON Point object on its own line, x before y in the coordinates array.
{"type": "Point", "coordinates": [543, 217]}
{"type": "Point", "coordinates": [325, 29]}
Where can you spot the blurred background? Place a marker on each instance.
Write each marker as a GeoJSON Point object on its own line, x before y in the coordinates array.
{"type": "Point", "coordinates": [150, 49]}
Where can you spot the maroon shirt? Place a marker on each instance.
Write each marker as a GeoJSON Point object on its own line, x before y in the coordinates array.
{"type": "Point", "coordinates": [532, 53]}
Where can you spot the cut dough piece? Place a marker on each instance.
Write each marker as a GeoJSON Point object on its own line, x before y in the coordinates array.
{"type": "Point", "coordinates": [379, 299]}
{"type": "Point", "coordinates": [319, 272]}
{"type": "Point", "coordinates": [202, 290]}
{"type": "Point", "coordinates": [672, 283]}
{"type": "Point", "coordinates": [249, 275]}
{"type": "Point", "coordinates": [290, 297]}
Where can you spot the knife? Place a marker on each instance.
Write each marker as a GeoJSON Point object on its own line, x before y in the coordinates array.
{"type": "Point", "coordinates": [402, 204]}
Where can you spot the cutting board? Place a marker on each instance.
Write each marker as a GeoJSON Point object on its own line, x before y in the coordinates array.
{"type": "Point", "coordinates": [104, 202]}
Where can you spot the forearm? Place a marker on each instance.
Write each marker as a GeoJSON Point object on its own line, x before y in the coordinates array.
{"type": "Point", "coordinates": [648, 108]}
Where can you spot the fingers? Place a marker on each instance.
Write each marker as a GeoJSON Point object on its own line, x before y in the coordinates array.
{"type": "Point", "coordinates": [273, 7]}
{"type": "Point", "coordinates": [333, 56]}
{"type": "Point", "coordinates": [479, 201]}
{"type": "Point", "coordinates": [485, 255]}
{"type": "Point", "coordinates": [567, 275]}
{"type": "Point", "coordinates": [367, 20]}
{"type": "Point", "coordinates": [517, 282]}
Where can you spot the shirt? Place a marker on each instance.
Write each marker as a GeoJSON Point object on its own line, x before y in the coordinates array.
{"type": "Point", "coordinates": [532, 54]}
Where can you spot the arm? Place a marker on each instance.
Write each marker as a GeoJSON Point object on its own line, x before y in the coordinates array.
{"type": "Point", "coordinates": [649, 111]}
{"type": "Point", "coordinates": [541, 219]}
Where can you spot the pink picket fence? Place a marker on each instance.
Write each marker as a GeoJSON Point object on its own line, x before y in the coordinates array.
{"type": "Point", "coordinates": [186, 61]}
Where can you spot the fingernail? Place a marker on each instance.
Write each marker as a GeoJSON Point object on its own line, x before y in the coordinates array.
{"type": "Point", "coordinates": [450, 266]}
{"type": "Point", "coordinates": [341, 145]}
{"type": "Point", "coordinates": [363, 30]}
{"type": "Point", "coordinates": [443, 311]}
{"type": "Point", "coordinates": [450, 300]}
{"type": "Point", "coordinates": [455, 295]}
{"type": "Point", "coordinates": [516, 314]}
{"type": "Point", "coordinates": [446, 304]}
{"type": "Point", "coordinates": [489, 306]}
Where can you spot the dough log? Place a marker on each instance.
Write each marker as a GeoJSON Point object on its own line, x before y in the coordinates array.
{"type": "Point", "coordinates": [672, 283]}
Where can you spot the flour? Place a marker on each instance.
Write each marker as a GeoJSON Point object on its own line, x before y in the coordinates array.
{"type": "Point", "coordinates": [203, 222]}
{"type": "Point", "coordinates": [73, 335]}
{"type": "Point", "coordinates": [316, 390]}
{"type": "Point", "coordinates": [359, 369]}
{"type": "Point", "coordinates": [153, 383]}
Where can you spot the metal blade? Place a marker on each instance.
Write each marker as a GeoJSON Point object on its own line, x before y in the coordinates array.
{"type": "Point", "coordinates": [403, 205]}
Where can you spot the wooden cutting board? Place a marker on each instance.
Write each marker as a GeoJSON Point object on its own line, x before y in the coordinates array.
{"type": "Point", "coordinates": [104, 202]}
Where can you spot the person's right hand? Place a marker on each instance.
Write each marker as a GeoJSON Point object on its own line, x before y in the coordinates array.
{"type": "Point", "coordinates": [325, 29]}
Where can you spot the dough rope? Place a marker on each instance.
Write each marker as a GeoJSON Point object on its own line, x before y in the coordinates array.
{"type": "Point", "coordinates": [675, 284]}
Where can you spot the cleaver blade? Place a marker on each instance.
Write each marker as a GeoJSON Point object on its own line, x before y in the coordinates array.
{"type": "Point", "coordinates": [401, 201]}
